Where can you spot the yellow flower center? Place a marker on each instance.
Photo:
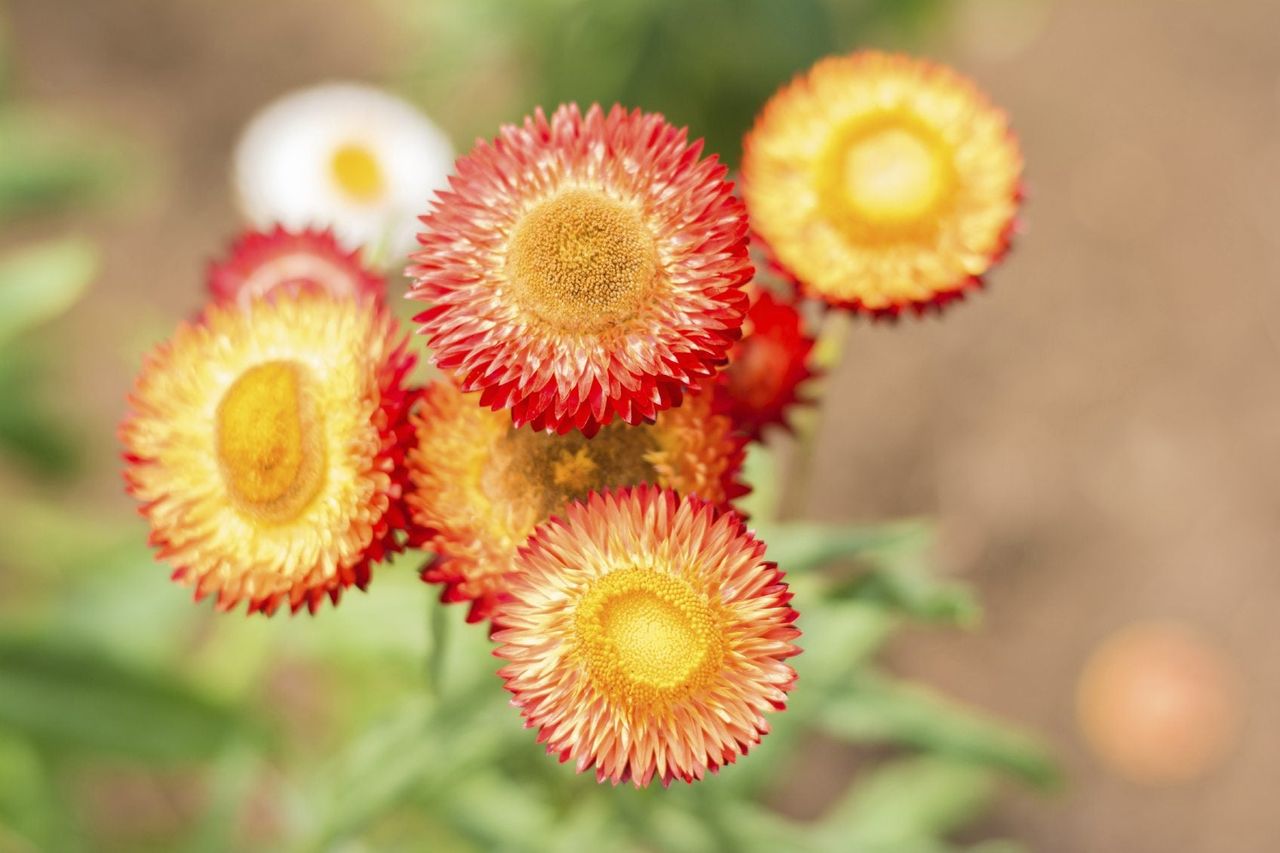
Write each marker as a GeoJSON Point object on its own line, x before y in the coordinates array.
{"type": "Point", "coordinates": [886, 178]}
{"type": "Point", "coordinates": [581, 261]}
{"type": "Point", "coordinates": [357, 173]}
{"type": "Point", "coordinates": [574, 471]}
{"type": "Point", "coordinates": [647, 638]}
{"type": "Point", "coordinates": [547, 471]}
{"type": "Point", "coordinates": [269, 442]}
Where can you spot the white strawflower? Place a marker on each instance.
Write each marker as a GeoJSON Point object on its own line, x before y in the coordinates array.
{"type": "Point", "coordinates": [344, 155]}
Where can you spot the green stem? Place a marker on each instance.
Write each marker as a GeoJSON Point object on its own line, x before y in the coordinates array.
{"type": "Point", "coordinates": [828, 356]}
{"type": "Point", "coordinates": [437, 647]}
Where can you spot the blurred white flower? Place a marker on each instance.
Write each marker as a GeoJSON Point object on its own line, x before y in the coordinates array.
{"type": "Point", "coordinates": [343, 155]}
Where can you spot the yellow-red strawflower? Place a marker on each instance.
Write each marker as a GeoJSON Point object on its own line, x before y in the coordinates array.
{"type": "Point", "coordinates": [480, 485]}
{"type": "Point", "coordinates": [646, 636]}
{"type": "Point", "coordinates": [583, 268]}
{"type": "Point", "coordinates": [880, 182]}
{"type": "Point", "coordinates": [266, 447]}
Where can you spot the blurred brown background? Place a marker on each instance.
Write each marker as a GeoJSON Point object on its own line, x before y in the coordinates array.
{"type": "Point", "coordinates": [1097, 432]}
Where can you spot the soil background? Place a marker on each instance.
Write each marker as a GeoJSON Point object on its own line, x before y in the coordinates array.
{"type": "Point", "coordinates": [1099, 433]}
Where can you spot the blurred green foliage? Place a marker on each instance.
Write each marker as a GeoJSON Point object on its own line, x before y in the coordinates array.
{"type": "Point", "coordinates": [706, 64]}
{"type": "Point", "coordinates": [47, 163]}
{"type": "Point", "coordinates": [36, 284]}
{"type": "Point", "coordinates": [132, 721]}
{"type": "Point", "coordinates": [381, 725]}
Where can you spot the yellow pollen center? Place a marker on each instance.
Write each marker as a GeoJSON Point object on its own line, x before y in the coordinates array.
{"type": "Point", "coordinates": [269, 442]}
{"type": "Point", "coordinates": [582, 262]}
{"type": "Point", "coordinates": [545, 472]}
{"type": "Point", "coordinates": [574, 471]}
{"type": "Point", "coordinates": [357, 173]}
{"type": "Point", "coordinates": [647, 637]}
{"type": "Point", "coordinates": [887, 178]}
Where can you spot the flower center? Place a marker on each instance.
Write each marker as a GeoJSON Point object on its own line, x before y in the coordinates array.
{"type": "Point", "coordinates": [357, 173]}
{"type": "Point", "coordinates": [886, 178]}
{"type": "Point", "coordinates": [582, 261]}
{"type": "Point", "coordinates": [269, 442]}
{"type": "Point", "coordinates": [548, 471]}
{"type": "Point", "coordinates": [647, 637]}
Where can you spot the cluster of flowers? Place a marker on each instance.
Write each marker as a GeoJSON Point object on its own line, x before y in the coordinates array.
{"type": "Point", "coordinates": [607, 354]}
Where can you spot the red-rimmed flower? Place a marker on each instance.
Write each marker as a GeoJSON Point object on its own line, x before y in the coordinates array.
{"type": "Point", "coordinates": [481, 485]}
{"type": "Point", "coordinates": [263, 263]}
{"type": "Point", "coordinates": [767, 366]}
{"type": "Point", "coordinates": [583, 268]}
{"type": "Point", "coordinates": [266, 448]}
{"type": "Point", "coordinates": [646, 636]}
{"type": "Point", "coordinates": [881, 182]}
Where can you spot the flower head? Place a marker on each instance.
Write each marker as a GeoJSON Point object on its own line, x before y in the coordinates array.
{"type": "Point", "coordinates": [583, 268]}
{"type": "Point", "coordinates": [346, 156]}
{"type": "Point", "coordinates": [646, 636]}
{"type": "Point", "coordinates": [271, 262]}
{"type": "Point", "coordinates": [482, 486]}
{"type": "Point", "coordinates": [264, 445]}
{"type": "Point", "coordinates": [881, 182]}
{"type": "Point", "coordinates": [767, 366]}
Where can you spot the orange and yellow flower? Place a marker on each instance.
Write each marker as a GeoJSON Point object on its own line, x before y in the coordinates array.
{"type": "Point", "coordinates": [266, 448]}
{"type": "Point", "coordinates": [881, 182]}
{"type": "Point", "coordinates": [481, 485]}
{"type": "Point", "coordinates": [767, 367]}
{"type": "Point", "coordinates": [646, 636]}
{"type": "Point", "coordinates": [279, 260]}
{"type": "Point", "coordinates": [583, 268]}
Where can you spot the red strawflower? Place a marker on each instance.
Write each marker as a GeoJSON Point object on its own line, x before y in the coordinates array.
{"type": "Point", "coordinates": [767, 366]}
{"type": "Point", "coordinates": [583, 268]}
{"type": "Point", "coordinates": [279, 260]}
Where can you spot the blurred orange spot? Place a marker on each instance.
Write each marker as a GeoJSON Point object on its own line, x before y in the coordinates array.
{"type": "Point", "coordinates": [1158, 705]}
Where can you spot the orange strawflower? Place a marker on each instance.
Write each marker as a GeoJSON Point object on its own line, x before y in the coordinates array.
{"type": "Point", "coordinates": [646, 636]}
{"type": "Point", "coordinates": [482, 486]}
{"type": "Point", "coordinates": [881, 182]}
{"type": "Point", "coordinates": [266, 447]}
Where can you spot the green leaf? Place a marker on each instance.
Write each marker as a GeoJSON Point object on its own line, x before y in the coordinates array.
{"type": "Point", "coordinates": [587, 826]}
{"type": "Point", "coordinates": [760, 830]}
{"type": "Point", "coordinates": [907, 805]}
{"type": "Point", "coordinates": [374, 774]}
{"type": "Point", "coordinates": [477, 799]}
{"type": "Point", "coordinates": [838, 635]}
{"type": "Point", "coordinates": [77, 699]}
{"type": "Point", "coordinates": [872, 707]}
{"type": "Point", "coordinates": [47, 162]}
{"type": "Point", "coordinates": [37, 438]}
{"type": "Point", "coordinates": [893, 561]}
{"type": "Point", "coordinates": [806, 546]}
{"type": "Point", "coordinates": [28, 810]}
{"type": "Point", "coordinates": [40, 282]}
{"type": "Point", "coordinates": [912, 593]}
{"type": "Point", "coordinates": [230, 782]}
{"type": "Point", "coordinates": [419, 751]}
